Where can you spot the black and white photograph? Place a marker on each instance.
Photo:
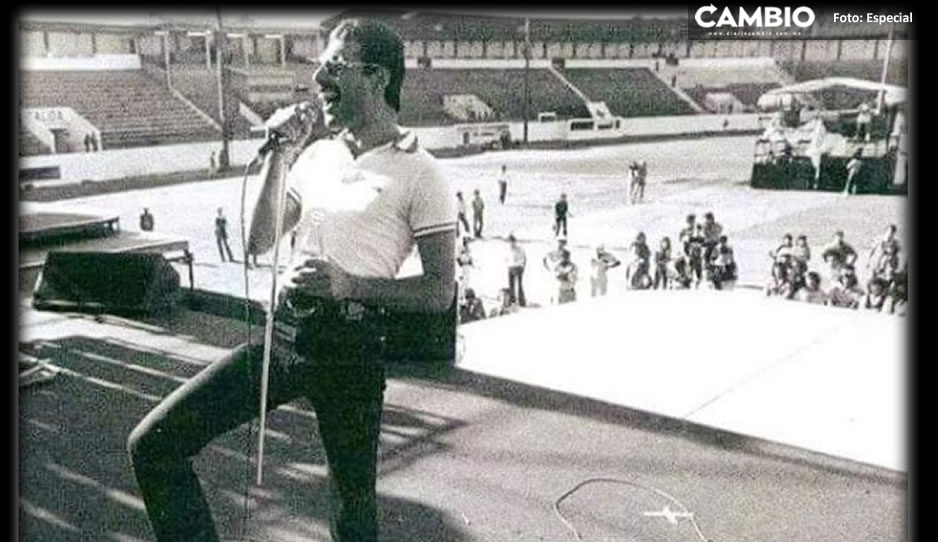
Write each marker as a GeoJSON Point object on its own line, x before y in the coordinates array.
{"type": "Point", "coordinates": [464, 275]}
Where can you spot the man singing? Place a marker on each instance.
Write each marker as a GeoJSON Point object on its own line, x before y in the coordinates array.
{"type": "Point", "coordinates": [359, 201]}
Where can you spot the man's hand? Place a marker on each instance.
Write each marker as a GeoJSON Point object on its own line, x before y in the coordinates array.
{"type": "Point", "coordinates": [298, 125]}
{"type": "Point", "coordinates": [321, 278]}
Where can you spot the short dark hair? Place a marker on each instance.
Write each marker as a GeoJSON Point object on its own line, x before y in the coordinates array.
{"type": "Point", "coordinates": [379, 45]}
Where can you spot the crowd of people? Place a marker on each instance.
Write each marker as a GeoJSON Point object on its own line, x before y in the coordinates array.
{"type": "Point", "coordinates": [703, 256]}
{"type": "Point", "coordinates": [885, 290]}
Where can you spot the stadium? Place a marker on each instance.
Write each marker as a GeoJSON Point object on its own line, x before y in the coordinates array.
{"type": "Point", "coordinates": [719, 410]}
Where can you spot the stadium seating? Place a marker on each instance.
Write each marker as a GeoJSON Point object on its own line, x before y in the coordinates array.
{"type": "Point", "coordinates": [871, 70]}
{"type": "Point", "coordinates": [502, 90]}
{"type": "Point", "coordinates": [634, 92]}
{"type": "Point", "coordinates": [128, 107]}
{"type": "Point", "coordinates": [30, 144]}
{"type": "Point", "coordinates": [747, 93]}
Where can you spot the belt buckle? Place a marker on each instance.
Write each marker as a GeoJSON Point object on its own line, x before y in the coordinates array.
{"type": "Point", "coordinates": [352, 310]}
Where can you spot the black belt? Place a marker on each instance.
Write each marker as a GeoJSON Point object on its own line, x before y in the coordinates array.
{"type": "Point", "coordinates": [297, 307]}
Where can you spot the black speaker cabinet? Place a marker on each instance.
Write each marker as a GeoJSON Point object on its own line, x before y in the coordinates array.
{"type": "Point", "coordinates": [105, 282]}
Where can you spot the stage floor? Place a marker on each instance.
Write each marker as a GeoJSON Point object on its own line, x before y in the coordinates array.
{"type": "Point", "coordinates": [465, 456]}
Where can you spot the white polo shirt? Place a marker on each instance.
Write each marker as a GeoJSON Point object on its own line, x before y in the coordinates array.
{"type": "Point", "coordinates": [366, 213]}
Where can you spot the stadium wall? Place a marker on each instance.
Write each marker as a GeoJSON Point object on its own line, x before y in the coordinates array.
{"type": "Point", "coordinates": [170, 159]}
{"type": "Point", "coordinates": [89, 63]}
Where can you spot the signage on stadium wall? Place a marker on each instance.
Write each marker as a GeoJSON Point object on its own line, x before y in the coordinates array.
{"type": "Point", "coordinates": [749, 22]}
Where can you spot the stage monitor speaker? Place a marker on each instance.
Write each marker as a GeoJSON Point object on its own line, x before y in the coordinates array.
{"type": "Point", "coordinates": [106, 282]}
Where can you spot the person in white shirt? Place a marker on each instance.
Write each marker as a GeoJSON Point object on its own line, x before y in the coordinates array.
{"type": "Point", "coordinates": [361, 200]}
{"type": "Point", "coordinates": [601, 263]}
{"type": "Point", "coordinates": [503, 185]}
{"type": "Point", "coordinates": [517, 261]}
{"type": "Point", "coordinates": [566, 275]}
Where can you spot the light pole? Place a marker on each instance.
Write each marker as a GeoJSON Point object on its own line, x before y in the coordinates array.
{"type": "Point", "coordinates": [527, 66]}
{"type": "Point", "coordinates": [223, 161]}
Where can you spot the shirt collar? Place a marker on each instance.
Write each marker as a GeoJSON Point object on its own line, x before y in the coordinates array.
{"type": "Point", "coordinates": [406, 142]}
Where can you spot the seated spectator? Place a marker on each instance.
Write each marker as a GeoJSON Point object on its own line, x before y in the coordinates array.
{"type": "Point", "coordinates": [899, 291]}
{"type": "Point", "coordinates": [876, 296]}
{"type": "Point", "coordinates": [638, 273]}
{"type": "Point", "coordinates": [681, 276]}
{"type": "Point", "coordinates": [505, 304]}
{"type": "Point", "coordinates": [471, 308]}
{"type": "Point", "coordinates": [811, 292]}
{"type": "Point", "coordinates": [781, 284]}
{"type": "Point", "coordinates": [465, 262]}
{"type": "Point", "coordinates": [722, 265]}
{"type": "Point", "coordinates": [846, 292]}
{"type": "Point", "coordinates": [838, 254]}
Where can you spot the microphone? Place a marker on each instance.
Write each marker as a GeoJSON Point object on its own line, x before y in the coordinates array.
{"type": "Point", "coordinates": [304, 113]}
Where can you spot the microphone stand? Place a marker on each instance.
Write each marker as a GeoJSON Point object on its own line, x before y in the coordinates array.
{"type": "Point", "coordinates": [269, 322]}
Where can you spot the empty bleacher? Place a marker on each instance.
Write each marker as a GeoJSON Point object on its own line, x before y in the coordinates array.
{"type": "Point", "coordinates": [629, 92]}
{"type": "Point", "coordinates": [127, 106]}
{"type": "Point", "coordinates": [501, 89]}
{"type": "Point", "coordinates": [30, 144]}
{"type": "Point", "coordinates": [747, 93]}
{"type": "Point", "coordinates": [871, 70]}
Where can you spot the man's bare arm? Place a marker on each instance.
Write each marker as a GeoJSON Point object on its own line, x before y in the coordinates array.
{"type": "Point", "coordinates": [263, 222]}
{"type": "Point", "coordinates": [432, 291]}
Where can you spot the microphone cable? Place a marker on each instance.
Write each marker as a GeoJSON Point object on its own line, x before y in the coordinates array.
{"type": "Point", "coordinates": [247, 321]}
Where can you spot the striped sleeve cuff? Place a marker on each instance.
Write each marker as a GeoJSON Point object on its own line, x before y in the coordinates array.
{"type": "Point", "coordinates": [436, 228]}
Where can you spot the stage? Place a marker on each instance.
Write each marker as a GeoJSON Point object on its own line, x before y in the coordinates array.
{"type": "Point", "coordinates": [469, 454]}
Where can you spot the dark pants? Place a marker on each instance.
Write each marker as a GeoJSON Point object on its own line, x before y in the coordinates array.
{"type": "Point", "coordinates": [336, 365]}
{"type": "Point", "coordinates": [502, 191]}
{"type": "Point", "coordinates": [516, 285]}
{"type": "Point", "coordinates": [461, 217]}
{"type": "Point", "coordinates": [560, 222]}
{"type": "Point", "coordinates": [477, 224]}
{"type": "Point", "coordinates": [661, 276]}
{"type": "Point", "coordinates": [222, 242]}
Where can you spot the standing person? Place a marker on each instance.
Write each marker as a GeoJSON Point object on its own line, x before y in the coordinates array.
{"type": "Point", "coordinates": [212, 166]}
{"type": "Point", "coordinates": [864, 117]}
{"type": "Point", "coordinates": [712, 231]}
{"type": "Point", "coordinates": [478, 208]}
{"type": "Point", "coordinates": [503, 185]}
{"type": "Point", "coordinates": [221, 236]}
{"type": "Point", "coordinates": [552, 259]}
{"type": "Point", "coordinates": [516, 264]}
{"type": "Point", "coordinates": [465, 262]}
{"type": "Point", "coordinates": [565, 273]}
{"type": "Point", "coordinates": [642, 177]}
{"type": "Point", "coordinates": [88, 142]}
{"type": "Point", "coordinates": [601, 263]}
{"type": "Point", "coordinates": [662, 263]}
{"type": "Point", "coordinates": [854, 165]}
{"type": "Point", "coordinates": [461, 215]}
{"type": "Point", "coordinates": [561, 210]}
{"type": "Point", "coordinates": [884, 254]}
{"type": "Point", "coordinates": [331, 318]}
{"type": "Point", "coordinates": [146, 220]}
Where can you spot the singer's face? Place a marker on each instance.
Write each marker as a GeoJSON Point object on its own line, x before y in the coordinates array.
{"type": "Point", "coordinates": [345, 86]}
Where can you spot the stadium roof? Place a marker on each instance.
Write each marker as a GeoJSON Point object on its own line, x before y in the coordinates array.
{"type": "Point", "coordinates": [130, 19]}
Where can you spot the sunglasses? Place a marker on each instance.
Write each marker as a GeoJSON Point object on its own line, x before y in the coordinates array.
{"type": "Point", "coordinates": [336, 65]}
